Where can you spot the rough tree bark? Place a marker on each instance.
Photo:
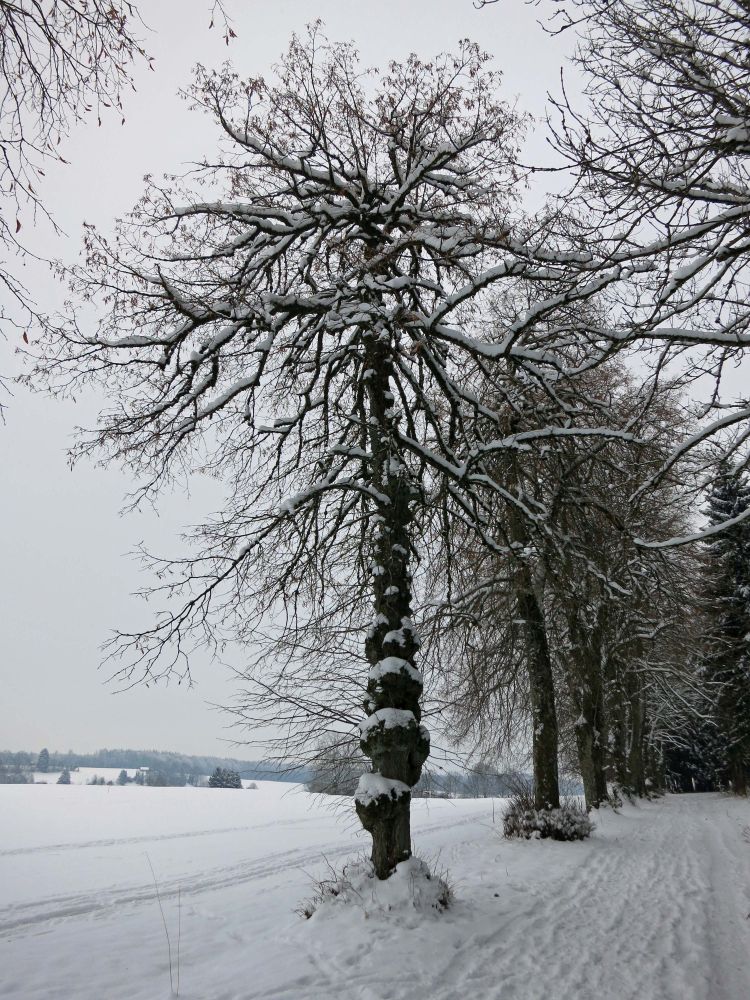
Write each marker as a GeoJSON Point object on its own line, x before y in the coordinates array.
{"type": "Point", "coordinates": [636, 768]}
{"type": "Point", "coordinates": [392, 736]}
{"type": "Point", "coordinates": [543, 711]}
{"type": "Point", "coordinates": [737, 772]}
{"type": "Point", "coordinates": [545, 737]}
{"type": "Point", "coordinates": [585, 679]}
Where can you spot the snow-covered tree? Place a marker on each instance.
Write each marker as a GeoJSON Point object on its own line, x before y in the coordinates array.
{"type": "Point", "coordinates": [42, 763]}
{"type": "Point", "coordinates": [726, 667]}
{"type": "Point", "coordinates": [660, 148]}
{"type": "Point", "coordinates": [59, 62]}
{"type": "Point", "coordinates": [616, 617]}
{"type": "Point", "coordinates": [571, 613]}
{"type": "Point", "coordinates": [64, 778]}
{"type": "Point", "coordinates": [224, 777]}
{"type": "Point", "coordinates": [310, 332]}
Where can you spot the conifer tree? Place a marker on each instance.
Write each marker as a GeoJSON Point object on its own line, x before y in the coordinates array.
{"type": "Point", "coordinates": [225, 778]}
{"type": "Point", "coordinates": [42, 763]}
{"type": "Point", "coordinates": [64, 778]}
{"type": "Point", "coordinates": [727, 596]}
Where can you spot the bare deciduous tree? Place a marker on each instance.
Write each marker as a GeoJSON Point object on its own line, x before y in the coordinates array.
{"type": "Point", "coordinates": [303, 333]}
{"type": "Point", "coordinates": [58, 62]}
{"type": "Point", "coordinates": [660, 149]}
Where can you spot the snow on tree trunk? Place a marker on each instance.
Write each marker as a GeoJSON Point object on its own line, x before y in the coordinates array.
{"type": "Point", "coordinates": [585, 746]}
{"type": "Point", "coordinates": [585, 679]}
{"type": "Point", "coordinates": [539, 669]}
{"type": "Point", "coordinates": [617, 768]}
{"type": "Point", "coordinates": [653, 765]}
{"type": "Point", "coordinates": [636, 768]}
{"type": "Point", "coordinates": [601, 793]}
{"type": "Point", "coordinates": [543, 711]}
{"type": "Point", "coordinates": [392, 736]}
{"type": "Point", "coordinates": [591, 761]}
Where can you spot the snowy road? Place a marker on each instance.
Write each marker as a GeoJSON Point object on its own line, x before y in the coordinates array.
{"type": "Point", "coordinates": [655, 906]}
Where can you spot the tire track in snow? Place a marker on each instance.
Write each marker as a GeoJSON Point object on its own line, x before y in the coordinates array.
{"type": "Point", "coordinates": [25, 917]}
{"type": "Point", "coordinates": [62, 907]}
{"type": "Point", "coordinates": [82, 845]}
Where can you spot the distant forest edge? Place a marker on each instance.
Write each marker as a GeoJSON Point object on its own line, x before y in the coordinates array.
{"type": "Point", "coordinates": [174, 766]}
{"type": "Point", "coordinates": [331, 776]}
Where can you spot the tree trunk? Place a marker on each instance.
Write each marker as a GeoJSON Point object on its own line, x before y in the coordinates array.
{"type": "Point", "coordinates": [585, 680]}
{"type": "Point", "coordinates": [654, 767]}
{"type": "Point", "coordinates": [737, 773]}
{"type": "Point", "coordinates": [601, 743]}
{"type": "Point", "coordinates": [542, 691]}
{"type": "Point", "coordinates": [585, 746]}
{"type": "Point", "coordinates": [617, 767]}
{"type": "Point", "coordinates": [545, 737]}
{"type": "Point", "coordinates": [392, 736]}
{"type": "Point", "coordinates": [637, 776]}
{"type": "Point", "coordinates": [591, 758]}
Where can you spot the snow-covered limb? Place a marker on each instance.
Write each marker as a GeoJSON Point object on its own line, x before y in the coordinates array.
{"type": "Point", "coordinates": [387, 718]}
{"type": "Point", "coordinates": [373, 786]}
{"type": "Point", "coordinates": [661, 163]}
{"type": "Point", "coordinates": [394, 664]}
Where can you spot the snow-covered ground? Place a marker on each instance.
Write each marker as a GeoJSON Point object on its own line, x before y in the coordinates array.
{"type": "Point", "coordinates": [655, 906]}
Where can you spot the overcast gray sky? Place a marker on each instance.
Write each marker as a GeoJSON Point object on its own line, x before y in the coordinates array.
{"type": "Point", "coordinates": [66, 579]}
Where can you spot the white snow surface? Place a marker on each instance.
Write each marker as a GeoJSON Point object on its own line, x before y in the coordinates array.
{"type": "Point", "coordinates": [654, 906]}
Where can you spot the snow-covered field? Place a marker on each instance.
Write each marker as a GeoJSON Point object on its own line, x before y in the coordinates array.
{"type": "Point", "coordinates": [81, 775]}
{"type": "Point", "coordinates": [655, 906]}
{"type": "Point", "coordinates": [84, 775]}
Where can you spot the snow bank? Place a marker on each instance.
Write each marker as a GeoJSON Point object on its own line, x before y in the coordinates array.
{"type": "Point", "coordinates": [411, 891]}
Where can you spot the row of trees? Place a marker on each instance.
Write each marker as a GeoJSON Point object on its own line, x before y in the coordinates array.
{"type": "Point", "coordinates": [337, 772]}
{"type": "Point", "coordinates": [168, 762]}
{"type": "Point", "coordinates": [426, 403]}
{"type": "Point", "coordinates": [221, 778]}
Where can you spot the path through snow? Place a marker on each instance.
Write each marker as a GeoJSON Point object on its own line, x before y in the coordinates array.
{"type": "Point", "coordinates": [657, 908]}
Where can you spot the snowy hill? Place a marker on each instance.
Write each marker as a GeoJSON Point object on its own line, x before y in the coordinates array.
{"type": "Point", "coordinates": [653, 906]}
